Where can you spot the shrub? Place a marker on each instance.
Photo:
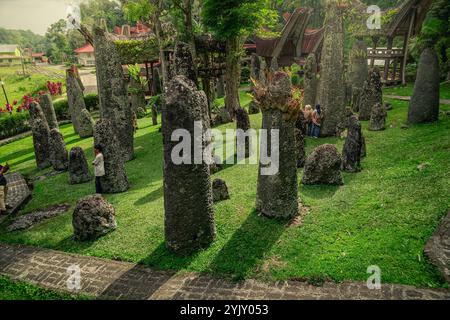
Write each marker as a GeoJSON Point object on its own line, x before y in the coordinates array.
{"type": "Point", "coordinates": [91, 100]}
{"type": "Point", "coordinates": [62, 109]}
{"type": "Point", "coordinates": [11, 125]}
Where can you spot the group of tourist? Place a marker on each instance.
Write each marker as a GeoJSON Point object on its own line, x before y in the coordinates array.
{"type": "Point", "coordinates": [313, 120]}
{"type": "Point", "coordinates": [3, 188]}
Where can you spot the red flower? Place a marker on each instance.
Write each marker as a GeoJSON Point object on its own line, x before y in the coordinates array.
{"type": "Point", "coordinates": [15, 102]}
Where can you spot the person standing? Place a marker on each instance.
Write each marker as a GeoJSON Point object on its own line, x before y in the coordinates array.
{"type": "Point", "coordinates": [308, 112]}
{"type": "Point", "coordinates": [3, 188]}
{"type": "Point", "coordinates": [99, 167]}
{"type": "Point", "coordinates": [316, 121]}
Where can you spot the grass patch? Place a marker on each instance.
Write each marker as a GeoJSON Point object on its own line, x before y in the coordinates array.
{"type": "Point", "coordinates": [19, 290]}
{"type": "Point", "coordinates": [382, 216]}
{"type": "Point", "coordinates": [407, 90]}
{"type": "Point", "coordinates": [17, 86]}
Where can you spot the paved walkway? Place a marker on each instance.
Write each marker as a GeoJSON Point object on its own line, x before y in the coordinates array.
{"type": "Point", "coordinates": [107, 279]}
{"type": "Point", "coordinates": [405, 98]}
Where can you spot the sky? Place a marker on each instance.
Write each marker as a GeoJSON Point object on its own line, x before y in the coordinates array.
{"type": "Point", "coordinates": [34, 15]}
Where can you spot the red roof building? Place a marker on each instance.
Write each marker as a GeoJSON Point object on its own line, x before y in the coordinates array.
{"type": "Point", "coordinates": [85, 55]}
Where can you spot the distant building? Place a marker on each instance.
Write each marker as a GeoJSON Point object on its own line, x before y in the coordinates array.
{"type": "Point", "coordinates": [85, 55]}
{"type": "Point", "coordinates": [8, 55]}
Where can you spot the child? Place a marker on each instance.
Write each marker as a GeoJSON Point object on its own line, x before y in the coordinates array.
{"type": "Point", "coordinates": [3, 188]}
{"type": "Point", "coordinates": [99, 168]}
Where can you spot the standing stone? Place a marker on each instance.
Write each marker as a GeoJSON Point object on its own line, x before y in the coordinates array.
{"type": "Point", "coordinates": [58, 152]}
{"type": "Point", "coordinates": [75, 99]}
{"type": "Point", "coordinates": [378, 118]}
{"type": "Point", "coordinates": [78, 167]}
{"type": "Point", "coordinates": [154, 115]}
{"type": "Point", "coordinates": [184, 64]}
{"type": "Point", "coordinates": [36, 112]}
{"type": "Point", "coordinates": [358, 72]}
{"type": "Point", "coordinates": [351, 154]}
{"type": "Point", "coordinates": [46, 104]}
{"type": "Point", "coordinates": [41, 136]}
{"type": "Point", "coordinates": [424, 105]}
{"type": "Point", "coordinates": [188, 201]}
{"type": "Point", "coordinates": [323, 166]}
{"type": "Point", "coordinates": [113, 93]}
{"type": "Point", "coordinates": [86, 124]}
{"type": "Point", "coordinates": [277, 192]}
{"type": "Point", "coordinates": [220, 190]}
{"type": "Point", "coordinates": [93, 217]}
{"type": "Point", "coordinates": [311, 80]}
{"type": "Point", "coordinates": [243, 123]}
{"type": "Point", "coordinates": [371, 94]}
{"type": "Point", "coordinates": [115, 179]}
{"type": "Point", "coordinates": [363, 146]}
{"type": "Point", "coordinates": [137, 96]}
{"type": "Point", "coordinates": [300, 147]}
{"type": "Point", "coordinates": [331, 91]}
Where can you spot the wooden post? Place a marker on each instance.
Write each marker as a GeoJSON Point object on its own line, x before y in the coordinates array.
{"type": "Point", "coordinates": [394, 76]}
{"type": "Point", "coordinates": [375, 43]}
{"type": "Point", "coordinates": [387, 61]}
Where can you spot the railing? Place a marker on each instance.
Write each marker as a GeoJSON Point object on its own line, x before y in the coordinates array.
{"type": "Point", "coordinates": [385, 53]}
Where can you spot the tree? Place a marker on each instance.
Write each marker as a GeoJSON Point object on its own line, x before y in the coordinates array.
{"type": "Point", "coordinates": [110, 10]}
{"type": "Point", "coordinates": [56, 41]}
{"type": "Point", "coordinates": [232, 21]}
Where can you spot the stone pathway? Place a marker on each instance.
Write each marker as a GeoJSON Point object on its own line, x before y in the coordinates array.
{"type": "Point", "coordinates": [18, 192]}
{"type": "Point", "coordinates": [107, 279]}
{"type": "Point", "coordinates": [405, 98]}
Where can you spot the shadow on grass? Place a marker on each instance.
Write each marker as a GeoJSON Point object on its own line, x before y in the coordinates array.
{"type": "Point", "coordinates": [152, 196]}
{"type": "Point", "coordinates": [247, 247]}
{"type": "Point", "coordinates": [17, 154]}
{"type": "Point", "coordinates": [318, 192]}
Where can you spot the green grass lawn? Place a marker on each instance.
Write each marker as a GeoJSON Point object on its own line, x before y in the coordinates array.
{"type": "Point", "coordinates": [408, 90]}
{"type": "Point", "coordinates": [17, 290]}
{"type": "Point", "coordinates": [17, 86]}
{"type": "Point", "coordinates": [382, 216]}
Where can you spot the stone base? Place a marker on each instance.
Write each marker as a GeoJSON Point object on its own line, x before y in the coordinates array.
{"type": "Point", "coordinates": [437, 248]}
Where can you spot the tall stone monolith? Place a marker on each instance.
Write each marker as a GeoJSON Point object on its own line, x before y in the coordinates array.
{"type": "Point", "coordinates": [113, 94]}
{"type": "Point", "coordinates": [331, 89]}
{"type": "Point", "coordinates": [188, 202]}
{"type": "Point", "coordinates": [46, 103]}
{"type": "Point", "coordinates": [75, 99]}
{"type": "Point", "coordinates": [115, 179]}
{"type": "Point", "coordinates": [277, 191]}
{"type": "Point", "coordinates": [311, 80]}
{"type": "Point", "coordinates": [41, 136]}
{"type": "Point", "coordinates": [358, 71]}
{"type": "Point", "coordinates": [58, 153]}
{"type": "Point", "coordinates": [424, 105]}
{"type": "Point", "coordinates": [371, 94]}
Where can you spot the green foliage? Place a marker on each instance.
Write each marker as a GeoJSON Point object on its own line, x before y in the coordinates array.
{"type": "Point", "coordinates": [25, 39]}
{"type": "Point", "coordinates": [11, 125]}
{"type": "Point", "coordinates": [233, 18]}
{"type": "Point", "coordinates": [245, 75]}
{"type": "Point", "coordinates": [110, 10]}
{"type": "Point", "coordinates": [136, 51]}
{"type": "Point", "coordinates": [91, 100]}
{"type": "Point", "coordinates": [61, 109]}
